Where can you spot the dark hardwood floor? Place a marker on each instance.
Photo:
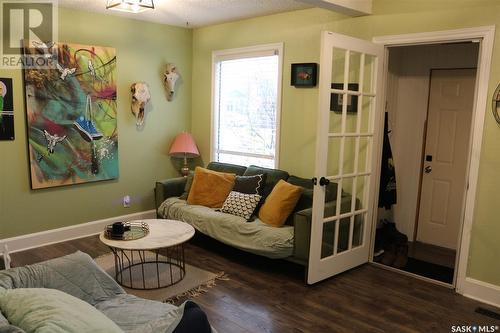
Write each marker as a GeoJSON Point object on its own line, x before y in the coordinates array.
{"type": "Point", "coordinates": [266, 295]}
{"type": "Point", "coordinates": [433, 254]}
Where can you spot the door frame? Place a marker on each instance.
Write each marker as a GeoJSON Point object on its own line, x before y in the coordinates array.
{"type": "Point", "coordinates": [485, 36]}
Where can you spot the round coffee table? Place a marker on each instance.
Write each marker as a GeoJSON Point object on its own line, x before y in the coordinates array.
{"type": "Point", "coordinates": [142, 257]}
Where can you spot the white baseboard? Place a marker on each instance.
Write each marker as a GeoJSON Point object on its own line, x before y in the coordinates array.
{"type": "Point", "coordinates": [481, 291]}
{"type": "Point", "coordinates": [29, 241]}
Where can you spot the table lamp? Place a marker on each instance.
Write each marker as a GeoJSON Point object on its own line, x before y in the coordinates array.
{"type": "Point", "coordinates": [184, 147]}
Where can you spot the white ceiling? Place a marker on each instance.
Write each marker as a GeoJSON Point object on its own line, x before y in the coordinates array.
{"type": "Point", "coordinates": [197, 13]}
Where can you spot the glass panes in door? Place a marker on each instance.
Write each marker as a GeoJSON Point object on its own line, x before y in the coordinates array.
{"type": "Point", "coordinates": [346, 132]}
{"type": "Point", "coordinates": [350, 139]}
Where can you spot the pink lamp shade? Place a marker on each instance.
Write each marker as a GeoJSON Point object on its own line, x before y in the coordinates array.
{"type": "Point", "coordinates": [184, 146]}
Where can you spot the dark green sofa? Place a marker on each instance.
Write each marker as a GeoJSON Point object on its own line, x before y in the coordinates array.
{"type": "Point", "coordinates": [297, 227]}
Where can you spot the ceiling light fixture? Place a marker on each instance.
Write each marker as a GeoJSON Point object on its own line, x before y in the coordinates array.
{"type": "Point", "coordinates": [130, 6]}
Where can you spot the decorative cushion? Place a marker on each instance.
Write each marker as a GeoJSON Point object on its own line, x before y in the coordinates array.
{"type": "Point", "coordinates": [241, 204]}
{"type": "Point", "coordinates": [210, 188]}
{"type": "Point", "coordinates": [306, 199]}
{"type": "Point", "coordinates": [280, 203]}
{"type": "Point", "coordinates": [250, 184]}
{"type": "Point", "coordinates": [272, 177]}
{"type": "Point", "coordinates": [51, 310]}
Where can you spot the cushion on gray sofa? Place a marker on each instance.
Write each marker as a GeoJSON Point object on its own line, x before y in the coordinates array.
{"type": "Point", "coordinates": [215, 166]}
{"type": "Point", "coordinates": [76, 274]}
{"type": "Point", "coordinates": [250, 184]}
{"type": "Point", "coordinates": [134, 314]}
{"type": "Point", "coordinates": [306, 199]}
{"type": "Point", "coordinates": [273, 176]}
{"type": "Point", "coordinates": [51, 310]}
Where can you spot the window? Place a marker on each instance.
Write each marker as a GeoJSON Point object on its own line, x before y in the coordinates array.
{"type": "Point", "coordinates": [246, 105]}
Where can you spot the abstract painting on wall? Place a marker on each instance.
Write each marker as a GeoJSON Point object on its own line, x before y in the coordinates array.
{"type": "Point", "coordinates": [72, 116]}
{"type": "Point", "coordinates": [6, 110]}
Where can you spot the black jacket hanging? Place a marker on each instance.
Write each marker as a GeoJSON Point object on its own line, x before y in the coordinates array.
{"type": "Point", "coordinates": [387, 193]}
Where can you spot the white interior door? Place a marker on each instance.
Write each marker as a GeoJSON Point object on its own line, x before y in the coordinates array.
{"type": "Point", "coordinates": [349, 128]}
{"type": "Point", "coordinates": [451, 99]}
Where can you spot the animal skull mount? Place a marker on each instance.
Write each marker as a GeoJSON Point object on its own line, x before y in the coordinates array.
{"type": "Point", "coordinates": [171, 77]}
{"type": "Point", "coordinates": [140, 97]}
{"type": "Point", "coordinates": [52, 140]}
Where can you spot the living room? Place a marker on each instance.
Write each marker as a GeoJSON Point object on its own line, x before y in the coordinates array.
{"type": "Point", "coordinates": [260, 294]}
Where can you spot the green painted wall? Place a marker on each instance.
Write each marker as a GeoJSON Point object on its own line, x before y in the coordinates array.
{"type": "Point", "coordinates": [300, 32]}
{"type": "Point", "coordinates": [142, 51]}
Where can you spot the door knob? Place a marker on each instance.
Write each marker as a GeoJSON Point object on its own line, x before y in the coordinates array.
{"type": "Point", "coordinates": [428, 169]}
{"type": "Point", "coordinates": [324, 181]}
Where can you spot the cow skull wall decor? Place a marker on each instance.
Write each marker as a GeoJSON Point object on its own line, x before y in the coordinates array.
{"type": "Point", "coordinates": [171, 77]}
{"type": "Point", "coordinates": [140, 97]}
{"type": "Point", "coordinates": [52, 140]}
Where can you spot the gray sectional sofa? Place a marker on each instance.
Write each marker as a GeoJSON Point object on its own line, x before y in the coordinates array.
{"type": "Point", "coordinates": [79, 276]}
{"type": "Point", "coordinates": [290, 242]}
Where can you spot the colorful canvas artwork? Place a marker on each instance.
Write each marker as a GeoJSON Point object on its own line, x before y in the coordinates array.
{"type": "Point", "coordinates": [72, 116]}
{"type": "Point", "coordinates": [6, 110]}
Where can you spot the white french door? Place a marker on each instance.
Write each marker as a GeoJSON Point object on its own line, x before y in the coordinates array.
{"type": "Point", "coordinates": [348, 136]}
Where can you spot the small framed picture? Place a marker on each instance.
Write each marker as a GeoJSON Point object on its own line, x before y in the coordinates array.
{"type": "Point", "coordinates": [6, 110]}
{"type": "Point", "coordinates": [304, 75]}
{"type": "Point", "coordinates": [336, 100]}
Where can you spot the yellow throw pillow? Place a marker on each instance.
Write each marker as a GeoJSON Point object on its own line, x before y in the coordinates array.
{"type": "Point", "coordinates": [280, 203]}
{"type": "Point", "coordinates": [210, 188]}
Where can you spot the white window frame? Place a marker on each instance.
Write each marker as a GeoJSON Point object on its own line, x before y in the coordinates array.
{"type": "Point", "coordinates": [238, 53]}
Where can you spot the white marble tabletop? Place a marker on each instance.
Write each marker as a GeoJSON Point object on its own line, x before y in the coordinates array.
{"type": "Point", "coordinates": [162, 233]}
